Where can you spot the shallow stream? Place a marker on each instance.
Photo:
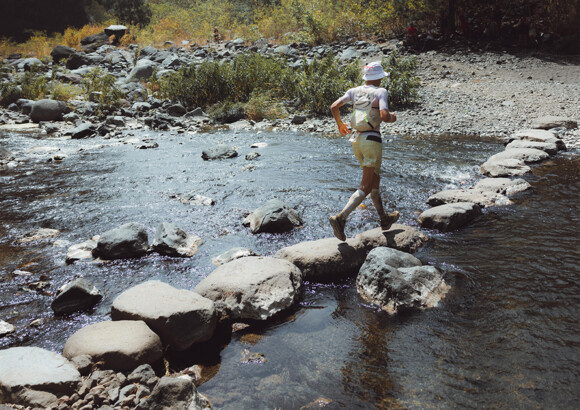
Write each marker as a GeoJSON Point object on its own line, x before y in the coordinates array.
{"type": "Point", "coordinates": [506, 336]}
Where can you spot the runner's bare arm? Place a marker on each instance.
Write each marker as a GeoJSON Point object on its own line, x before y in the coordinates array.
{"type": "Point", "coordinates": [387, 116]}
{"type": "Point", "coordinates": [335, 110]}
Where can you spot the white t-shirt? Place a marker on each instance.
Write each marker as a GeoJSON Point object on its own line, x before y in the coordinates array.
{"type": "Point", "coordinates": [381, 99]}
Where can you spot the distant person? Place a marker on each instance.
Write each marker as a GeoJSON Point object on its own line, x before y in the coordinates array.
{"type": "Point", "coordinates": [371, 107]}
{"type": "Point", "coordinates": [412, 34]}
{"type": "Point", "coordinates": [216, 35]}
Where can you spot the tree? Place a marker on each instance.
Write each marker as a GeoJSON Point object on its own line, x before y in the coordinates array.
{"type": "Point", "coordinates": [135, 12]}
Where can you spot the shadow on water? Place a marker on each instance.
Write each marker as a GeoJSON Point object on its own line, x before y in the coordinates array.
{"type": "Point", "coordinates": [506, 336]}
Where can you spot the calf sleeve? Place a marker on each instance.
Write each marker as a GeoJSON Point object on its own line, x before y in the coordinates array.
{"type": "Point", "coordinates": [354, 201]}
{"type": "Point", "coordinates": [378, 203]}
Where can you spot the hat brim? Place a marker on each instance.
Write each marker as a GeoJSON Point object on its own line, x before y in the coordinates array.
{"type": "Point", "coordinates": [377, 76]}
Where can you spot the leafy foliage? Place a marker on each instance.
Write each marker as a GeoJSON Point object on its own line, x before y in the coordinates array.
{"type": "Point", "coordinates": [402, 82]}
{"type": "Point", "coordinates": [9, 93]}
{"type": "Point", "coordinates": [99, 87]}
{"type": "Point", "coordinates": [34, 84]}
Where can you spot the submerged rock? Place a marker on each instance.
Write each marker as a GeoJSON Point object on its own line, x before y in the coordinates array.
{"type": "Point", "coordinates": [39, 234]}
{"type": "Point", "coordinates": [78, 294]}
{"type": "Point", "coordinates": [219, 152]}
{"type": "Point", "coordinates": [273, 217]}
{"type": "Point", "coordinates": [449, 217]}
{"type": "Point", "coordinates": [255, 287]}
{"type": "Point", "coordinates": [180, 317]}
{"type": "Point", "coordinates": [127, 241]}
{"type": "Point", "coordinates": [395, 282]}
{"type": "Point", "coordinates": [232, 254]}
{"type": "Point", "coordinates": [119, 345]}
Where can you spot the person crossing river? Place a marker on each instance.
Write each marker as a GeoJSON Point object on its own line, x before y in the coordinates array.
{"type": "Point", "coordinates": [370, 108]}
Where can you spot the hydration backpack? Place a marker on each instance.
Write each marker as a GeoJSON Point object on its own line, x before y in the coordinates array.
{"type": "Point", "coordinates": [364, 116]}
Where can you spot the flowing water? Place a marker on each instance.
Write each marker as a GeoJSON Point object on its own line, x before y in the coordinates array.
{"type": "Point", "coordinates": [506, 336]}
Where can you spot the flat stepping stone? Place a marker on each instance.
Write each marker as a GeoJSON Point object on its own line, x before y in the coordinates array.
{"type": "Point", "coordinates": [537, 136]}
{"type": "Point", "coordinates": [180, 317]}
{"type": "Point", "coordinates": [255, 287]}
{"type": "Point", "coordinates": [504, 186]}
{"type": "Point", "coordinates": [119, 345]}
{"type": "Point", "coordinates": [527, 155]}
{"type": "Point", "coordinates": [504, 168]}
{"type": "Point", "coordinates": [24, 368]}
{"type": "Point", "coordinates": [551, 121]}
{"type": "Point", "coordinates": [449, 217]}
{"type": "Point", "coordinates": [482, 198]}
{"type": "Point", "coordinates": [550, 148]}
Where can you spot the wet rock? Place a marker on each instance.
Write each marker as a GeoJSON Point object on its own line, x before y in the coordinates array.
{"type": "Point", "coordinates": [76, 295]}
{"type": "Point", "coordinates": [252, 358]}
{"type": "Point", "coordinates": [6, 155]}
{"type": "Point", "coordinates": [84, 130]}
{"type": "Point", "coordinates": [273, 217]}
{"type": "Point", "coordinates": [180, 317]}
{"type": "Point", "coordinates": [504, 186]}
{"type": "Point", "coordinates": [83, 250]}
{"type": "Point", "coordinates": [48, 110]}
{"type": "Point", "coordinates": [232, 254]}
{"type": "Point", "coordinates": [29, 374]}
{"type": "Point", "coordinates": [482, 198]}
{"type": "Point", "coordinates": [401, 237]}
{"type": "Point", "coordinates": [250, 156]}
{"type": "Point", "coordinates": [395, 288]}
{"type": "Point", "coordinates": [147, 143]}
{"type": "Point", "coordinates": [195, 199]}
{"type": "Point", "coordinates": [173, 241]}
{"type": "Point", "coordinates": [39, 234]}
{"type": "Point", "coordinates": [60, 53]}
{"type": "Point", "coordinates": [504, 167]}
{"type": "Point", "coordinates": [219, 152]}
{"type": "Point", "coordinates": [449, 217]}
{"type": "Point", "coordinates": [119, 345]}
{"type": "Point", "coordinates": [550, 121]}
{"type": "Point", "coordinates": [253, 287]}
{"type": "Point", "coordinates": [551, 148]}
{"type": "Point", "coordinates": [299, 119]}
{"type": "Point", "coordinates": [528, 155]}
{"type": "Point", "coordinates": [127, 241]}
{"type": "Point", "coordinates": [173, 393]}
{"type": "Point", "coordinates": [537, 136]}
{"type": "Point", "coordinates": [317, 404]}
{"type": "Point", "coordinates": [6, 328]}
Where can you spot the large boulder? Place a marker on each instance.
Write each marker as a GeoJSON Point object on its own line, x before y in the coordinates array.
{"type": "Point", "coordinates": [483, 198]}
{"type": "Point", "coordinates": [59, 53]}
{"type": "Point", "coordinates": [143, 70]}
{"type": "Point", "coordinates": [127, 241]}
{"type": "Point", "coordinates": [180, 317]}
{"type": "Point", "coordinates": [528, 155]}
{"type": "Point", "coordinates": [274, 217]}
{"type": "Point", "coordinates": [174, 241]}
{"type": "Point", "coordinates": [396, 282]}
{"type": "Point", "coordinates": [509, 167]}
{"type": "Point", "coordinates": [84, 130]}
{"type": "Point", "coordinates": [329, 258]}
{"type": "Point", "coordinates": [551, 121]}
{"type": "Point", "coordinates": [174, 393]}
{"type": "Point", "coordinates": [504, 186]}
{"type": "Point", "coordinates": [449, 217]}
{"type": "Point", "coordinates": [78, 294]}
{"type": "Point", "coordinates": [219, 152]}
{"type": "Point", "coordinates": [48, 110]}
{"type": "Point", "coordinates": [255, 288]}
{"type": "Point", "coordinates": [119, 345]}
{"type": "Point", "coordinates": [35, 377]}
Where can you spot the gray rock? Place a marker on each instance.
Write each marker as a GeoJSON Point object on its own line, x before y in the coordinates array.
{"type": "Point", "coordinates": [250, 156]}
{"type": "Point", "coordinates": [180, 317]}
{"type": "Point", "coordinates": [551, 148]}
{"type": "Point", "coordinates": [80, 251]}
{"type": "Point", "coordinates": [396, 289]}
{"type": "Point", "coordinates": [127, 241]}
{"type": "Point", "coordinates": [504, 167]}
{"type": "Point", "coordinates": [141, 107]}
{"type": "Point", "coordinates": [528, 155]}
{"type": "Point", "coordinates": [76, 295]}
{"type": "Point", "coordinates": [6, 155]}
{"type": "Point", "coordinates": [537, 136]}
{"type": "Point", "coordinates": [232, 254]}
{"type": "Point", "coordinates": [274, 217]}
{"type": "Point", "coordinates": [550, 121]}
{"type": "Point", "coordinates": [143, 70]}
{"type": "Point", "coordinates": [253, 287]}
{"type": "Point", "coordinates": [195, 199]}
{"type": "Point", "coordinates": [48, 110]}
{"type": "Point", "coordinates": [349, 54]}
{"type": "Point", "coordinates": [176, 110]}
{"type": "Point", "coordinates": [504, 186]}
{"type": "Point", "coordinates": [60, 53]}
{"type": "Point", "coordinates": [115, 120]}
{"type": "Point", "coordinates": [116, 30]}
{"type": "Point", "coordinates": [172, 393]}
{"type": "Point", "coordinates": [119, 345]}
{"type": "Point", "coordinates": [483, 198]}
{"type": "Point", "coordinates": [174, 241]}
{"type": "Point", "coordinates": [84, 130]}
{"type": "Point", "coordinates": [141, 374]}
{"type": "Point", "coordinates": [449, 217]}
{"type": "Point", "coordinates": [6, 328]}
{"type": "Point", "coordinates": [219, 152]}
{"type": "Point", "coordinates": [393, 257]}
{"type": "Point", "coordinates": [298, 119]}
{"type": "Point", "coordinates": [82, 363]}
{"type": "Point", "coordinates": [28, 372]}
{"type": "Point", "coordinates": [27, 63]}
{"type": "Point", "coordinates": [38, 235]}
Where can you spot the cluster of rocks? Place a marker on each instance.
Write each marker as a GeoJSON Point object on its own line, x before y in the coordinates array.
{"type": "Point", "coordinates": [453, 209]}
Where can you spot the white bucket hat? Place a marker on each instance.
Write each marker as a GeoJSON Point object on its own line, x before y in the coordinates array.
{"type": "Point", "coordinates": [374, 71]}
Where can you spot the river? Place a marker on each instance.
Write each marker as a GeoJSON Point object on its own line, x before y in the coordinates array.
{"type": "Point", "coordinates": [506, 336]}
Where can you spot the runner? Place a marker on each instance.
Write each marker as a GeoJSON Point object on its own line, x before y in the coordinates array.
{"type": "Point", "coordinates": [366, 143]}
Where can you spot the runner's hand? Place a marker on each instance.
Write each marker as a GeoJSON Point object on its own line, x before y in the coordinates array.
{"type": "Point", "coordinates": [343, 129]}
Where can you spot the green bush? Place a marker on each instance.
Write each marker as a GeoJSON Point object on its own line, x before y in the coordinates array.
{"type": "Point", "coordinates": [34, 84]}
{"type": "Point", "coordinates": [9, 93]}
{"type": "Point", "coordinates": [402, 82]}
{"type": "Point", "coordinates": [99, 87]}
{"type": "Point", "coordinates": [226, 111]}
{"type": "Point", "coordinates": [263, 105]}
{"type": "Point", "coordinates": [64, 92]}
